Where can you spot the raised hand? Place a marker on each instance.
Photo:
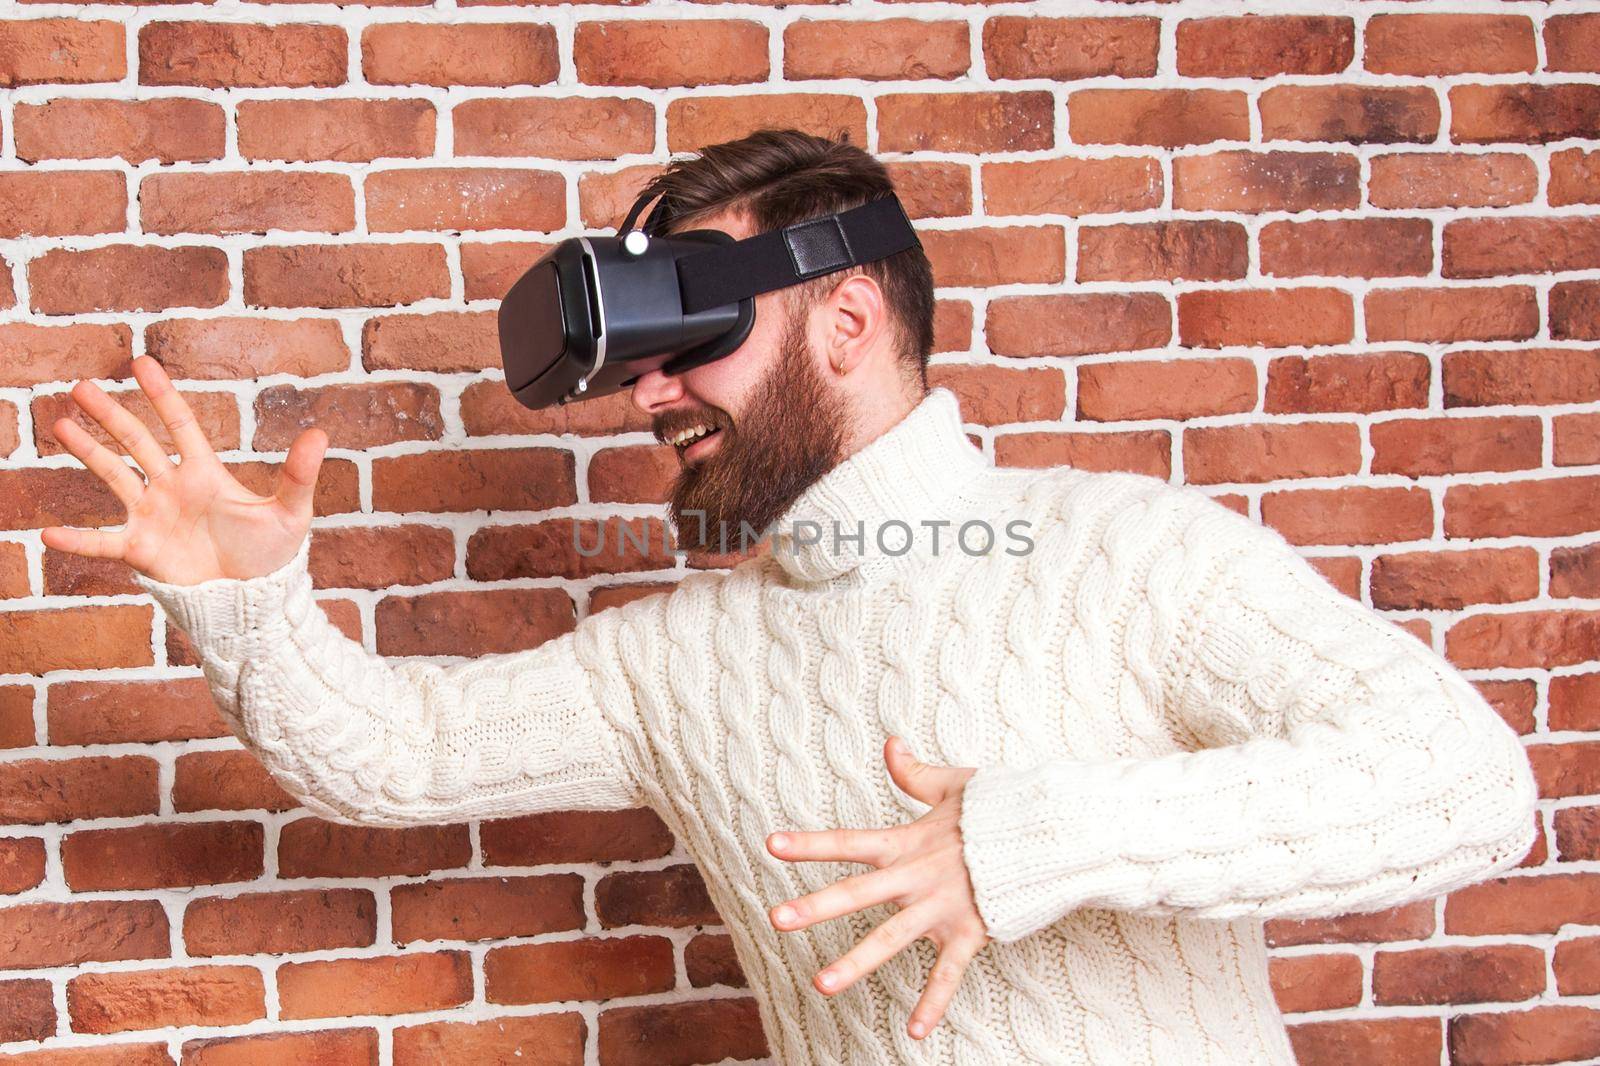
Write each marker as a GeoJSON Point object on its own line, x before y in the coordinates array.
{"type": "Point", "coordinates": [920, 868]}
{"type": "Point", "coordinates": [191, 521]}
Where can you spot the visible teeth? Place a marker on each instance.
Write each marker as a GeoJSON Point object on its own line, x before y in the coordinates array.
{"type": "Point", "coordinates": [689, 435]}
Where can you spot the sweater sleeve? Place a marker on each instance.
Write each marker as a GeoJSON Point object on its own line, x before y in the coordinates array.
{"type": "Point", "coordinates": [361, 739]}
{"type": "Point", "coordinates": [1344, 767]}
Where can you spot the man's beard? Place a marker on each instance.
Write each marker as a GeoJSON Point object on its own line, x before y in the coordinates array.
{"type": "Point", "coordinates": [790, 433]}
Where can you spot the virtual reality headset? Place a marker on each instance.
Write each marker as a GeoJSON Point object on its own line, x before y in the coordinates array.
{"type": "Point", "coordinates": [596, 313]}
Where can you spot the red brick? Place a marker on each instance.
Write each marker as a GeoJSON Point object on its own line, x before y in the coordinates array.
{"type": "Point", "coordinates": [223, 55]}
{"type": "Point", "coordinates": [226, 781]}
{"type": "Point", "coordinates": [395, 984]}
{"type": "Point", "coordinates": [996, 256]}
{"type": "Point", "coordinates": [1521, 376]}
{"type": "Point", "coordinates": [1348, 247]}
{"type": "Point", "coordinates": [560, 1037]}
{"type": "Point", "coordinates": [1305, 315]}
{"type": "Point", "coordinates": [1078, 323]}
{"type": "Point", "coordinates": [1356, 114]}
{"type": "Point", "coordinates": [1190, 249]}
{"type": "Point", "coordinates": [489, 268]}
{"type": "Point", "coordinates": [482, 622]}
{"type": "Point", "coordinates": [932, 189]}
{"type": "Point", "coordinates": [1538, 1034]}
{"type": "Point", "coordinates": [378, 557]}
{"type": "Point", "coordinates": [1417, 447]}
{"type": "Point", "coordinates": [231, 347]}
{"type": "Point", "coordinates": [1487, 247]}
{"type": "Point", "coordinates": [524, 479]}
{"type": "Point", "coordinates": [66, 934]}
{"type": "Point", "coordinates": [442, 342]}
{"type": "Point", "coordinates": [78, 638]}
{"type": "Point", "coordinates": [709, 959]}
{"type": "Point", "coordinates": [13, 569]}
{"type": "Point", "coordinates": [892, 49]}
{"type": "Point", "coordinates": [354, 416]}
{"type": "Point", "coordinates": [1266, 181]}
{"type": "Point", "coordinates": [1408, 921]}
{"type": "Point", "coordinates": [1574, 177]}
{"type": "Point", "coordinates": [1524, 638]}
{"type": "Point", "coordinates": [1256, 46]}
{"type": "Point", "coordinates": [665, 53]}
{"type": "Point", "coordinates": [153, 999]}
{"type": "Point", "coordinates": [1575, 702]}
{"type": "Point", "coordinates": [589, 969]}
{"type": "Point", "coordinates": [62, 203]}
{"type": "Point", "coordinates": [1575, 311]}
{"type": "Point", "coordinates": [246, 202]}
{"type": "Point", "coordinates": [1316, 982]}
{"type": "Point", "coordinates": [712, 1030]}
{"type": "Point", "coordinates": [313, 847]}
{"type": "Point", "coordinates": [1577, 964]}
{"type": "Point", "coordinates": [477, 53]}
{"type": "Point", "coordinates": [1449, 44]}
{"type": "Point", "coordinates": [1575, 571]}
{"type": "Point", "coordinates": [39, 354]}
{"type": "Point", "coordinates": [173, 855]}
{"type": "Point", "coordinates": [321, 1045]}
{"type": "Point", "coordinates": [346, 130]}
{"type": "Point", "coordinates": [30, 1010]}
{"type": "Point", "coordinates": [1391, 1041]}
{"type": "Point", "coordinates": [1564, 770]}
{"type": "Point", "coordinates": [279, 922]}
{"type": "Point", "coordinates": [574, 127]}
{"type": "Point", "coordinates": [996, 395]}
{"type": "Point", "coordinates": [1447, 179]}
{"type": "Point", "coordinates": [1066, 49]}
{"type": "Point", "coordinates": [1523, 113]}
{"type": "Point", "coordinates": [466, 198]}
{"type": "Point", "coordinates": [61, 50]}
{"type": "Point", "coordinates": [1572, 42]}
{"type": "Point", "coordinates": [344, 275]}
{"type": "Point", "coordinates": [1491, 974]}
{"type": "Point", "coordinates": [127, 278]}
{"type": "Point", "coordinates": [697, 120]}
{"type": "Point", "coordinates": [672, 896]}
{"type": "Point", "coordinates": [167, 129]}
{"type": "Point", "coordinates": [1451, 580]}
{"type": "Point", "coordinates": [1354, 515]}
{"type": "Point", "coordinates": [1578, 834]}
{"type": "Point", "coordinates": [216, 413]}
{"type": "Point", "coordinates": [1179, 388]}
{"type": "Point", "coordinates": [634, 835]}
{"type": "Point", "coordinates": [552, 548]}
{"type": "Point", "coordinates": [487, 908]}
{"type": "Point", "coordinates": [980, 121]}
{"type": "Point", "coordinates": [1481, 313]}
{"type": "Point", "coordinates": [63, 496]}
{"type": "Point", "coordinates": [1577, 439]}
{"type": "Point", "coordinates": [39, 791]}
{"type": "Point", "coordinates": [1072, 187]}
{"type": "Point", "coordinates": [1270, 451]}
{"type": "Point", "coordinates": [132, 712]}
{"type": "Point", "coordinates": [1533, 507]}
{"type": "Point", "coordinates": [1166, 117]}
{"type": "Point", "coordinates": [488, 408]}
{"type": "Point", "coordinates": [1376, 381]}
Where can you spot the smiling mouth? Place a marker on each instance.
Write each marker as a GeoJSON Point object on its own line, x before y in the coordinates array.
{"type": "Point", "coordinates": [697, 446]}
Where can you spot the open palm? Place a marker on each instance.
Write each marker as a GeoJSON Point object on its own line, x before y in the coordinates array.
{"type": "Point", "coordinates": [191, 521]}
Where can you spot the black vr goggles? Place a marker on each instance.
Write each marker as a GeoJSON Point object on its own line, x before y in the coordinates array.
{"type": "Point", "coordinates": [596, 313]}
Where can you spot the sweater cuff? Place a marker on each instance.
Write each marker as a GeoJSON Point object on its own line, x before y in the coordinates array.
{"type": "Point", "coordinates": [233, 619]}
{"type": "Point", "coordinates": [1023, 833]}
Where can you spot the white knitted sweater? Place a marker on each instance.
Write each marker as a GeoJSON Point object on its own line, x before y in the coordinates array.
{"type": "Point", "coordinates": [1182, 729]}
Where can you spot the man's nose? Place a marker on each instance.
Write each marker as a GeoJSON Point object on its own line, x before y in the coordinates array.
{"type": "Point", "coordinates": [656, 389]}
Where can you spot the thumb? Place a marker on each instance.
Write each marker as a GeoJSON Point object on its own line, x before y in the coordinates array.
{"type": "Point", "coordinates": [297, 481]}
{"type": "Point", "coordinates": [917, 779]}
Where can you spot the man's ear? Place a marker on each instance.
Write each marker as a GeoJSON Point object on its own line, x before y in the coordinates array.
{"type": "Point", "coordinates": [854, 315]}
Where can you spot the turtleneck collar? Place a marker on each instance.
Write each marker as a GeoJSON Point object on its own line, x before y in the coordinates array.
{"type": "Point", "coordinates": [907, 474]}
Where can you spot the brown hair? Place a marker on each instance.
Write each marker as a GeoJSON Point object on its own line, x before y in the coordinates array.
{"type": "Point", "coordinates": [781, 176]}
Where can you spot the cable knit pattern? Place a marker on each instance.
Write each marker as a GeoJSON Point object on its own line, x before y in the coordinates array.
{"type": "Point", "coordinates": [1180, 729]}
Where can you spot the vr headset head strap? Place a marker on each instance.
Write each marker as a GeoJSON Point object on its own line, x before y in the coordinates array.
{"type": "Point", "coordinates": [795, 253]}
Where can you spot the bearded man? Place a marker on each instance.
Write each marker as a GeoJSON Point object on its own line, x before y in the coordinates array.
{"type": "Point", "coordinates": [1111, 754]}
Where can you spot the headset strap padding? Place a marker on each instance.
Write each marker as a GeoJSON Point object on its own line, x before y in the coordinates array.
{"type": "Point", "coordinates": [788, 256]}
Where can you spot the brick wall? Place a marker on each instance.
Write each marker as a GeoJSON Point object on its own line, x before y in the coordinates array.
{"type": "Point", "coordinates": [1342, 270]}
